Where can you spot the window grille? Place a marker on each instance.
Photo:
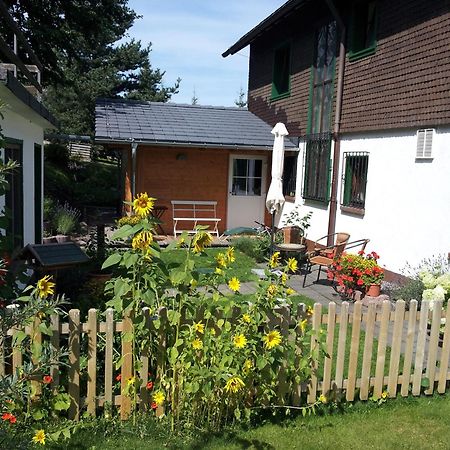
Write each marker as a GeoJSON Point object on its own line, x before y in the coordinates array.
{"type": "Point", "coordinates": [317, 167]}
{"type": "Point", "coordinates": [424, 144]}
{"type": "Point", "coordinates": [354, 179]}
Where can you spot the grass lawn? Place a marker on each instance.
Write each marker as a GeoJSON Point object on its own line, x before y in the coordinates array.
{"type": "Point", "coordinates": [413, 423]}
{"type": "Point", "coordinates": [241, 268]}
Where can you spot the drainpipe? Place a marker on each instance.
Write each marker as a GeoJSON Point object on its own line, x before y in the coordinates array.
{"type": "Point", "coordinates": [134, 147]}
{"type": "Point", "coordinates": [337, 123]}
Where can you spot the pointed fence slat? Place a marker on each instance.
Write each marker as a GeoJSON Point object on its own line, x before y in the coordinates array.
{"type": "Point", "coordinates": [396, 348]}
{"type": "Point", "coordinates": [341, 345]}
{"type": "Point", "coordinates": [381, 352]}
{"type": "Point", "coordinates": [283, 388]}
{"type": "Point", "coordinates": [55, 346]}
{"type": "Point", "coordinates": [143, 373]}
{"type": "Point", "coordinates": [445, 354]}
{"type": "Point", "coordinates": [127, 364]}
{"type": "Point", "coordinates": [74, 364]}
{"type": "Point", "coordinates": [92, 362]}
{"type": "Point", "coordinates": [409, 348]}
{"type": "Point", "coordinates": [316, 321]}
{"type": "Point", "coordinates": [297, 387]}
{"type": "Point", "coordinates": [433, 345]}
{"type": "Point", "coordinates": [354, 351]}
{"type": "Point", "coordinates": [420, 349]}
{"type": "Point", "coordinates": [16, 353]}
{"type": "Point", "coordinates": [109, 356]}
{"type": "Point", "coordinates": [328, 363]}
{"type": "Point", "coordinates": [368, 351]}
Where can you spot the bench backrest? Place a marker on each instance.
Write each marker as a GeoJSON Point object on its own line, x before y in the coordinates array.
{"type": "Point", "coordinates": [194, 208]}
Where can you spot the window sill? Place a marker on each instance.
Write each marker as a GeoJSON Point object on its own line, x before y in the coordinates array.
{"type": "Point", "coordinates": [353, 210]}
{"type": "Point", "coordinates": [355, 56]}
{"type": "Point", "coordinates": [280, 96]}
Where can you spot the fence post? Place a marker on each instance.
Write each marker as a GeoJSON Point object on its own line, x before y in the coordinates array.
{"type": "Point", "coordinates": [74, 364]}
{"type": "Point", "coordinates": [420, 348]}
{"type": "Point", "coordinates": [433, 345]}
{"type": "Point", "coordinates": [301, 315]}
{"type": "Point", "coordinates": [343, 324]}
{"type": "Point", "coordinates": [92, 361]}
{"type": "Point", "coordinates": [127, 364]}
{"type": "Point", "coordinates": [143, 373]}
{"type": "Point", "coordinates": [36, 345]}
{"type": "Point", "coordinates": [328, 363]}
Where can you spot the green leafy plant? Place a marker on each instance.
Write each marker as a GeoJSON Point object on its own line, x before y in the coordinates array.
{"type": "Point", "coordinates": [66, 219]}
{"type": "Point", "coordinates": [295, 218]}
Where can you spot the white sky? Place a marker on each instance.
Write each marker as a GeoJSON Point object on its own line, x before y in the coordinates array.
{"type": "Point", "coordinates": [188, 38]}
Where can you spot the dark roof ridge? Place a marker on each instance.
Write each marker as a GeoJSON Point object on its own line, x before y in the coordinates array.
{"type": "Point", "coordinates": [182, 105]}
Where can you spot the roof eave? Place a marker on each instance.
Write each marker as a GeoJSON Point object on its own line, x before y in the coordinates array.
{"type": "Point", "coordinates": [268, 22]}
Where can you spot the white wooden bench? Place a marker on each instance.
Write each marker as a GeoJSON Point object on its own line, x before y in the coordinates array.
{"type": "Point", "coordinates": [194, 213]}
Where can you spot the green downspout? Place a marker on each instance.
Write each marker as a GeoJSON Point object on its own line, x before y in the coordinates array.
{"type": "Point", "coordinates": [337, 123]}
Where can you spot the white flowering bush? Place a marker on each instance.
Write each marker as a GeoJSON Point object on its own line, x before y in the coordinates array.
{"type": "Point", "coordinates": [435, 276]}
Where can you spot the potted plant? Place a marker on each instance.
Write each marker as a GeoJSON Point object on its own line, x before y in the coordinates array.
{"type": "Point", "coordinates": [357, 272]}
{"type": "Point", "coordinates": [295, 226]}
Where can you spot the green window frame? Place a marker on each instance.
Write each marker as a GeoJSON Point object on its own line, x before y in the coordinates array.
{"type": "Point", "coordinates": [317, 162]}
{"type": "Point", "coordinates": [354, 179]}
{"type": "Point", "coordinates": [281, 79]}
{"type": "Point", "coordinates": [363, 30]}
{"type": "Point", "coordinates": [37, 193]}
{"type": "Point", "coordinates": [13, 149]}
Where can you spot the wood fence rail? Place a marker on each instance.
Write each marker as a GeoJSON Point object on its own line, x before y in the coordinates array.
{"type": "Point", "coordinates": [370, 350]}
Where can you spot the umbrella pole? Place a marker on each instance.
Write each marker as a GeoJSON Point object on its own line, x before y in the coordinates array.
{"type": "Point", "coordinates": [272, 234]}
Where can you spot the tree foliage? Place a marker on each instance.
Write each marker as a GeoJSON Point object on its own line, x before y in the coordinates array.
{"type": "Point", "coordinates": [77, 43]}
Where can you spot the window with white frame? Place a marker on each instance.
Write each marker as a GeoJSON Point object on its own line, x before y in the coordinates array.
{"type": "Point", "coordinates": [424, 148]}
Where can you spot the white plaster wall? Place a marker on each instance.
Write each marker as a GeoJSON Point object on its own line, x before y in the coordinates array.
{"type": "Point", "coordinates": [407, 210]}
{"type": "Point", "coordinates": [19, 127]}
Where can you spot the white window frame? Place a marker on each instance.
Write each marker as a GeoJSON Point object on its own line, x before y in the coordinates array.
{"type": "Point", "coordinates": [424, 143]}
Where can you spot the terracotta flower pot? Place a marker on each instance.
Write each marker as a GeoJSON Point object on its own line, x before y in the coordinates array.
{"type": "Point", "coordinates": [373, 290]}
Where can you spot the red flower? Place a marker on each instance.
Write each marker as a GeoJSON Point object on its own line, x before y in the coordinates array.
{"type": "Point", "coordinates": [375, 255]}
{"type": "Point", "coordinates": [150, 385]}
{"type": "Point", "coordinates": [360, 282]}
{"type": "Point", "coordinates": [12, 419]}
{"type": "Point", "coordinates": [154, 405]}
{"type": "Point", "coordinates": [47, 379]}
{"type": "Point", "coordinates": [7, 416]}
{"type": "Point", "coordinates": [119, 377]}
{"type": "Point", "coordinates": [361, 252]}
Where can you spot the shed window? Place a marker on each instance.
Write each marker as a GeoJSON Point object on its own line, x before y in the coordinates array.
{"type": "Point", "coordinates": [354, 179]}
{"type": "Point", "coordinates": [281, 72]}
{"type": "Point", "coordinates": [424, 144]}
{"type": "Point", "coordinates": [363, 30]}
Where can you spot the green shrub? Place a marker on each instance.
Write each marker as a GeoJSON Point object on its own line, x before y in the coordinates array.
{"type": "Point", "coordinates": [411, 290]}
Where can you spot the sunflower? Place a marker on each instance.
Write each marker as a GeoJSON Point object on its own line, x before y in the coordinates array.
{"type": "Point", "coordinates": [221, 260]}
{"type": "Point", "coordinates": [230, 255]}
{"type": "Point", "coordinates": [197, 344]}
{"type": "Point", "coordinates": [239, 341]}
{"type": "Point", "coordinates": [272, 290]}
{"type": "Point", "coordinates": [272, 339]}
{"type": "Point", "coordinates": [143, 204]}
{"type": "Point", "coordinates": [234, 385]}
{"type": "Point", "coordinates": [234, 284]}
{"type": "Point", "coordinates": [159, 398]}
{"type": "Point", "coordinates": [199, 327]}
{"type": "Point", "coordinates": [248, 365]}
{"type": "Point", "coordinates": [290, 291]}
{"type": "Point", "coordinates": [292, 265]}
{"type": "Point", "coordinates": [45, 286]}
{"type": "Point", "coordinates": [274, 260]}
{"type": "Point", "coordinates": [246, 318]}
{"type": "Point", "coordinates": [201, 240]}
{"type": "Point", "coordinates": [142, 241]}
{"type": "Point", "coordinates": [218, 271]}
{"type": "Point", "coordinates": [39, 437]}
{"type": "Point", "coordinates": [323, 399]}
{"type": "Point", "coordinates": [283, 278]}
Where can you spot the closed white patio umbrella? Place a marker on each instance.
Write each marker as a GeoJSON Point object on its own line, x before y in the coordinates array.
{"type": "Point", "coordinates": [275, 198]}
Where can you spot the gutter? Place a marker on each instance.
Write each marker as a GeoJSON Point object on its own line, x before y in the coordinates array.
{"type": "Point", "coordinates": [337, 123]}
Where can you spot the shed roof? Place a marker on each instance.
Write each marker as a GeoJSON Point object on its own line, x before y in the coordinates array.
{"type": "Point", "coordinates": [119, 121]}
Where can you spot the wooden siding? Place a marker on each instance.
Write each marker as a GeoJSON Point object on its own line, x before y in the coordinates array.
{"type": "Point", "coordinates": [405, 84]}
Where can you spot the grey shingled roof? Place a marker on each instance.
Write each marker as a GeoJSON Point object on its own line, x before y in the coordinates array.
{"type": "Point", "coordinates": [175, 124]}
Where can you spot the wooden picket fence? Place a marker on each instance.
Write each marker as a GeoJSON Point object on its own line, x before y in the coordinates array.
{"type": "Point", "coordinates": [418, 352]}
